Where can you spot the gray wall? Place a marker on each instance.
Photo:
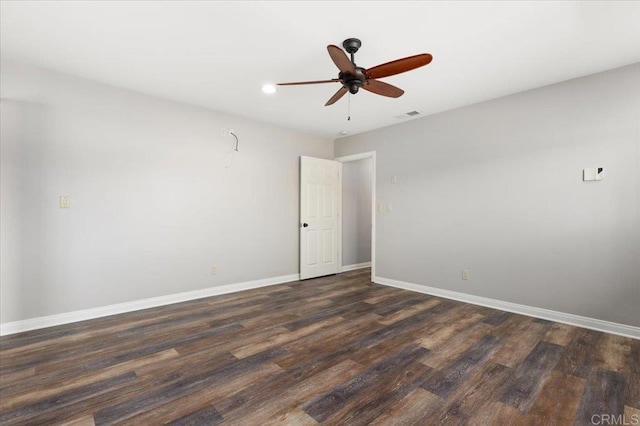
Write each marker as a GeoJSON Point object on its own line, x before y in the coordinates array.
{"type": "Point", "coordinates": [356, 211]}
{"type": "Point", "coordinates": [153, 202]}
{"type": "Point", "coordinates": [496, 188]}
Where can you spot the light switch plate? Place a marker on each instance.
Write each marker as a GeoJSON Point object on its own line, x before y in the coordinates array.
{"type": "Point", "coordinates": [594, 173]}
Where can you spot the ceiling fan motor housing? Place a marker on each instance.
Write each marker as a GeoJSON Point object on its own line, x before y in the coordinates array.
{"type": "Point", "coordinates": [353, 82]}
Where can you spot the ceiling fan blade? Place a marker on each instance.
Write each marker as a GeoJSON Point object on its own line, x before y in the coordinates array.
{"type": "Point", "coordinates": [382, 88]}
{"type": "Point", "coordinates": [340, 93]}
{"type": "Point", "coordinates": [341, 59]}
{"type": "Point", "coordinates": [309, 82]}
{"type": "Point", "coordinates": [398, 66]}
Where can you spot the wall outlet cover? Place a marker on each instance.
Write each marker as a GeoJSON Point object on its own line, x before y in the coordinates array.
{"type": "Point", "coordinates": [65, 201]}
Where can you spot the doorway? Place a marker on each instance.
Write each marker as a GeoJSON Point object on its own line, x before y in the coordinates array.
{"type": "Point", "coordinates": [358, 214]}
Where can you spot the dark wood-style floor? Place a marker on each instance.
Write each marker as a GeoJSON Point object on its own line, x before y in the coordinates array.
{"type": "Point", "coordinates": [333, 350]}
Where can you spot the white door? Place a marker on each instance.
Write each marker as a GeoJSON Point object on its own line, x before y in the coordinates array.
{"type": "Point", "coordinates": [319, 196]}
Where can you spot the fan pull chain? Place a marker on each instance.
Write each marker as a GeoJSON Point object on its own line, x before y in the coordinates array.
{"type": "Point", "coordinates": [349, 108]}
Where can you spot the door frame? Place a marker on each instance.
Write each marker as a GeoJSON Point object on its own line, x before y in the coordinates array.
{"type": "Point", "coordinates": [346, 159]}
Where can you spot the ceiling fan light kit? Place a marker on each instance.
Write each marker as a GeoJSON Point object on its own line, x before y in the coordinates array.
{"type": "Point", "coordinates": [353, 77]}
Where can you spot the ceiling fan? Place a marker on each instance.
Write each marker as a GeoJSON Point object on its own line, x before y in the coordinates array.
{"type": "Point", "coordinates": [353, 77]}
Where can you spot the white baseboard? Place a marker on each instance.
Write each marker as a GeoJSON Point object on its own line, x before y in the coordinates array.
{"type": "Point", "coordinates": [355, 266]}
{"type": "Point", "coordinates": [86, 314]}
{"type": "Point", "coordinates": [576, 320]}
{"type": "Point", "coordinates": [103, 311]}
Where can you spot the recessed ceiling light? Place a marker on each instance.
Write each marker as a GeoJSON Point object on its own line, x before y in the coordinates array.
{"type": "Point", "coordinates": [269, 88]}
{"type": "Point", "coordinates": [344, 133]}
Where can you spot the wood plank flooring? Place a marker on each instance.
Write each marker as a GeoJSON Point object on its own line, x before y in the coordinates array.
{"type": "Point", "coordinates": [332, 350]}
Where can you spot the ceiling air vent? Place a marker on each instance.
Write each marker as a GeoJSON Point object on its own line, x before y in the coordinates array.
{"type": "Point", "coordinates": [407, 114]}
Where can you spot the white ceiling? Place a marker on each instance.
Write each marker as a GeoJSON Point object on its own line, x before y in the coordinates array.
{"type": "Point", "coordinates": [219, 54]}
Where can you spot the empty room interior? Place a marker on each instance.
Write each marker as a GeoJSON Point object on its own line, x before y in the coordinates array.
{"type": "Point", "coordinates": [359, 212]}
